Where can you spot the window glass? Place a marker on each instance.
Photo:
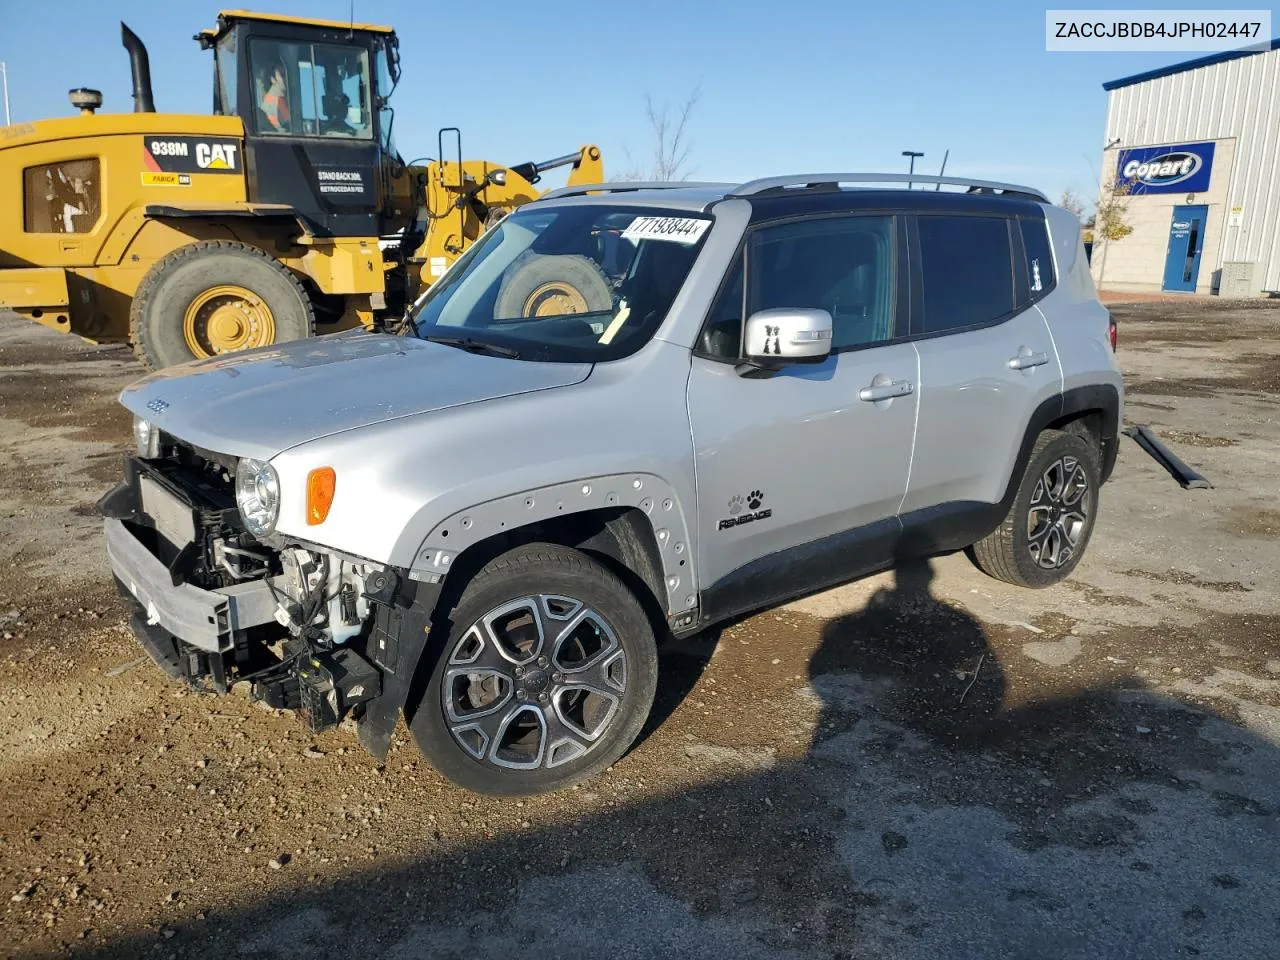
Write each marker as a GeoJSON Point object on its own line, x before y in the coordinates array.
{"type": "Point", "coordinates": [226, 57]}
{"type": "Point", "coordinates": [1040, 276]}
{"type": "Point", "coordinates": [386, 115]}
{"type": "Point", "coordinates": [311, 89]}
{"type": "Point", "coordinates": [967, 271]}
{"type": "Point", "coordinates": [565, 283]}
{"type": "Point", "coordinates": [841, 265]}
{"type": "Point", "coordinates": [722, 333]}
{"type": "Point", "coordinates": [62, 197]}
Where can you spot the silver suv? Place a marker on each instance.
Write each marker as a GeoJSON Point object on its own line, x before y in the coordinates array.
{"type": "Point", "coordinates": [627, 412]}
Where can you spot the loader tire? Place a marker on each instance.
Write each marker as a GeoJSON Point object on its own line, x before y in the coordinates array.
{"type": "Point", "coordinates": [213, 297]}
{"type": "Point", "coordinates": [553, 285]}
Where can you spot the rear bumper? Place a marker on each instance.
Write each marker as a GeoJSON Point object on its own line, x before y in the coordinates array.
{"type": "Point", "coordinates": [208, 620]}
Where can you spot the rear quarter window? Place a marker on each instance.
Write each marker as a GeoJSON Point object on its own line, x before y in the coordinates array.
{"type": "Point", "coordinates": [1041, 276]}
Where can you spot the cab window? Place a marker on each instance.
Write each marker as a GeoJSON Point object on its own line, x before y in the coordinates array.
{"type": "Point", "coordinates": [225, 57]}
{"type": "Point", "coordinates": [311, 90]}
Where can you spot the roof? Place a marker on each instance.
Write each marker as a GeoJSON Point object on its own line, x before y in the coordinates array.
{"type": "Point", "coordinates": [771, 204]}
{"type": "Point", "coordinates": [305, 21]}
{"type": "Point", "coordinates": [1196, 64]}
{"type": "Point", "coordinates": [691, 198]}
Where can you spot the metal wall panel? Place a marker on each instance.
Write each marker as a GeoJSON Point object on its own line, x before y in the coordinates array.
{"type": "Point", "coordinates": [1237, 99]}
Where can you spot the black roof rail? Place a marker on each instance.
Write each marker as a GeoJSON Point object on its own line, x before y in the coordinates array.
{"type": "Point", "coordinates": [626, 186]}
{"type": "Point", "coordinates": [803, 180]}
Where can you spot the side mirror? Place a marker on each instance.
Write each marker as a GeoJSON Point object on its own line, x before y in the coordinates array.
{"type": "Point", "coordinates": [787, 335]}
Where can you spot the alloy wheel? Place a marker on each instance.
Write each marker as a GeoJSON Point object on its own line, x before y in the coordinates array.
{"type": "Point", "coordinates": [1059, 513]}
{"type": "Point", "coordinates": [533, 683]}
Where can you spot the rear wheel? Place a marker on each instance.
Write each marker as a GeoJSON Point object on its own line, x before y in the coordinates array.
{"type": "Point", "coordinates": [215, 297]}
{"type": "Point", "coordinates": [546, 678]}
{"type": "Point", "coordinates": [1051, 519]}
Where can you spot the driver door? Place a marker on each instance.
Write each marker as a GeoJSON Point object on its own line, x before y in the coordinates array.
{"type": "Point", "coordinates": [800, 479]}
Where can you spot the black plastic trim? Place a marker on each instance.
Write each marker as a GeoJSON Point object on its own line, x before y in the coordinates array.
{"type": "Point", "coordinates": [801, 570]}
{"type": "Point", "coordinates": [401, 631]}
{"type": "Point", "coordinates": [1186, 476]}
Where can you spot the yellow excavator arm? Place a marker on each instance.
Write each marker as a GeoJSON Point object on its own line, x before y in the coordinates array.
{"type": "Point", "coordinates": [465, 197]}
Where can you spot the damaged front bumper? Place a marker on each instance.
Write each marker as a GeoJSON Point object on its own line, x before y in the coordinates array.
{"type": "Point", "coordinates": [188, 631]}
{"type": "Point", "coordinates": [164, 534]}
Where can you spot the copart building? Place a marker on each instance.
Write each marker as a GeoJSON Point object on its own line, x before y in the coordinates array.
{"type": "Point", "coordinates": [1193, 151]}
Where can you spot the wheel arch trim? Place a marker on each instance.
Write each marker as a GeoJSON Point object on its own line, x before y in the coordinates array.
{"type": "Point", "coordinates": [649, 494]}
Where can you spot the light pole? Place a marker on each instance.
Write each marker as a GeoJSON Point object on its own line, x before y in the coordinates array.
{"type": "Point", "coordinates": [912, 169]}
{"type": "Point", "coordinates": [4, 75]}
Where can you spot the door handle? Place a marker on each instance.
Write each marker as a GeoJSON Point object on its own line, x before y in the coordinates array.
{"type": "Point", "coordinates": [887, 391]}
{"type": "Point", "coordinates": [1025, 361]}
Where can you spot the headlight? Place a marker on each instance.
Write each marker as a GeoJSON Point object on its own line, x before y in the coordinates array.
{"type": "Point", "coordinates": [258, 495]}
{"type": "Point", "coordinates": [146, 438]}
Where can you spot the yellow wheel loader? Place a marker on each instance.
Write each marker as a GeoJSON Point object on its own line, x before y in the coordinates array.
{"type": "Point", "coordinates": [285, 213]}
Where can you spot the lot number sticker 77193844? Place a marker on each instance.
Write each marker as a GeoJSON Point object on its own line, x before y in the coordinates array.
{"type": "Point", "coordinates": [678, 229]}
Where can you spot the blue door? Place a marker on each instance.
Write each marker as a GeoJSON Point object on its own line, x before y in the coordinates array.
{"type": "Point", "coordinates": [1186, 241]}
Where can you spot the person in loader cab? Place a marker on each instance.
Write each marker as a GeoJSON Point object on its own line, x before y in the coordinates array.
{"type": "Point", "coordinates": [275, 102]}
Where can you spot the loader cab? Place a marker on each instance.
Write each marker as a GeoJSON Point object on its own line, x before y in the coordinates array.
{"type": "Point", "coordinates": [313, 96]}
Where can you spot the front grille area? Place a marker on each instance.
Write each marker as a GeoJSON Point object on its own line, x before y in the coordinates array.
{"type": "Point", "coordinates": [214, 550]}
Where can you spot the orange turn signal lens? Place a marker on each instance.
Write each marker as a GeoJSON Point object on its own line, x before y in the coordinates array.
{"type": "Point", "coordinates": [320, 486]}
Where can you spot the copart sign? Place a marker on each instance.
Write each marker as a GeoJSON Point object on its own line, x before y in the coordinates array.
{"type": "Point", "coordinates": [161, 154]}
{"type": "Point", "coordinates": [1177, 168]}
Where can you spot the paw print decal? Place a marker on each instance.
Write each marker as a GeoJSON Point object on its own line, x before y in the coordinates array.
{"type": "Point", "coordinates": [744, 510]}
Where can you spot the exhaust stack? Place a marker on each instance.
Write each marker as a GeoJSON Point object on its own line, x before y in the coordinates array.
{"type": "Point", "coordinates": [141, 66]}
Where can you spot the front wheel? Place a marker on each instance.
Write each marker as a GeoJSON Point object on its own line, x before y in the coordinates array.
{"type": "Point", "coordinates": [1051, 519]}
{"type": "Point", "coordinates": [546, 678]}
{"type": "Point", "coordinates": [214, 297]}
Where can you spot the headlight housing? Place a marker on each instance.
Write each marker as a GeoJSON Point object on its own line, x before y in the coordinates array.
{"type": "Point", "coordinates": [258, 495]}
{"type": "Point", "coordinates": [146, 438]}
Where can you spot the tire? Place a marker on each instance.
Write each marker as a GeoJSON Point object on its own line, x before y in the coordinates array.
{"type": "Point", "coordinates": [552, 283]}
{"type": "Point", "coordinates": [1011, 552]}
{"type": "Point", "coordinates": [474, 705]}
{"type": "Point", "coordinates": [167, 311]}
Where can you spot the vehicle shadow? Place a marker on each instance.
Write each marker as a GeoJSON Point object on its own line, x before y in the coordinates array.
{"type": "Point", "coordinates": [942, 809]}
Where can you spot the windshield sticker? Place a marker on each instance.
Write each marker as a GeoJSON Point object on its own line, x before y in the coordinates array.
{"type": "Point", "coordinates": [678, 229]}
{"type": "Point", "coordinates": [623, 312]}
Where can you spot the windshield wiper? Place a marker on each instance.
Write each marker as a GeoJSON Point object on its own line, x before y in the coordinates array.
{"type": "Point", "coordinates": [475, 346]}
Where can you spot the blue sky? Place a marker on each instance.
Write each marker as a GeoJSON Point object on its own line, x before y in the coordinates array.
{"type": "Point", "coordinates": [785, 86]}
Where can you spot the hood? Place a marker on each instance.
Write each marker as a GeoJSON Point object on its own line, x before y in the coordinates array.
{"type": "Point", "coordinates": [262, 402]}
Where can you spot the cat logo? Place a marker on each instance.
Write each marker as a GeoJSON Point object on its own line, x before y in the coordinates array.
{"type": "Point", "coordinates": [189, 155]}
{"type": "Point", "coordinates": [216, 156]}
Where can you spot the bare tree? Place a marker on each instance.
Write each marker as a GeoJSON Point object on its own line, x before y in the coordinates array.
{"type": "Point", "coordinates": [1110, 219]}
{"type": "Point", "coordinates": [670, 145]}
{"type": "Point", "coordinates": [1072, 203]}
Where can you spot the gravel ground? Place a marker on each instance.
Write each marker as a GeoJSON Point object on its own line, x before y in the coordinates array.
{"type": "Point", "coordinates": [924, 764]}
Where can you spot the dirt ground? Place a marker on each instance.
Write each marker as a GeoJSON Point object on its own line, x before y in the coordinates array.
{"type": "Point", "coordinates": [927, 764]}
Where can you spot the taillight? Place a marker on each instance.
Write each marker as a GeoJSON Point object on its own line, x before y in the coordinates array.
{"type": "Point", "coordinates": [1111, 333]}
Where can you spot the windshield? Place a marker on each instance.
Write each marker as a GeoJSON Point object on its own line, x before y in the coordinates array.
{"type": "Point", "coordinates": [311, 89]}
{"type": "Point", "coordinates": [586, 282]}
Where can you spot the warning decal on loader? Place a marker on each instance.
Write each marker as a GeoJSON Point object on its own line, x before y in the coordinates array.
{"type": "Point", "coordinates": [161, 154]}
{"type": "Point", "coordinates": [152, 179]}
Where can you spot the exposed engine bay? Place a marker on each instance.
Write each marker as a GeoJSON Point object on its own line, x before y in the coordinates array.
{"type": "Point", "coordinates": [288, 618]}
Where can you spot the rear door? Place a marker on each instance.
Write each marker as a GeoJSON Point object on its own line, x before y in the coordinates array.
{"type": "Point", "coordinates": [800, 477]}
{"type": "Point", "coordinates": [987, 358]}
